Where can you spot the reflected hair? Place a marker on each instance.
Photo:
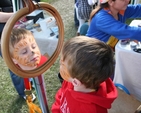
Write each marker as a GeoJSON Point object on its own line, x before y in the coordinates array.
{"type": "Point", "coordinates": [18, 34]}
{"type": "Point", "coordinates": [89, 60]}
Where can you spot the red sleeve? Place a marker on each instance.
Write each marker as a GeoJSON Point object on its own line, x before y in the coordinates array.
{"type": "Point", "coordinates": [56, 105]}
{"type": "Point", "coordinates": [59, 96]}
{"type": "Point", "coordinates": [42, 60]}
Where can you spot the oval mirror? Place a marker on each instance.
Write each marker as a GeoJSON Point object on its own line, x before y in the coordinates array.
{"type": "Point", "coordinates": [45, 25]}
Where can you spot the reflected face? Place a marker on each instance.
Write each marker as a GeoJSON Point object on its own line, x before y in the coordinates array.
{"type": "Point", "coordinates": [26, 52]}
{"type": "Point", "coordinates": [64, 71]}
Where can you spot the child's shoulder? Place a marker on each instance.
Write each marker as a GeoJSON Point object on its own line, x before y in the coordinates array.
{"type": "Point", "coordinates": [66, 84]}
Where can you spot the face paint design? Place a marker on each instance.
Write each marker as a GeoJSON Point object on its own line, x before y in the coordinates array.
{"type": "Point", "coordinates": [64, 71]}
{"type": "Point", "coordinates": [26, 52]}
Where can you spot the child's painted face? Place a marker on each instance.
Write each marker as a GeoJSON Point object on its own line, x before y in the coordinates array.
{"type": "Point", "coordinates": [64, 70]}
{"type": "Point", "coordinates": [26, 52]}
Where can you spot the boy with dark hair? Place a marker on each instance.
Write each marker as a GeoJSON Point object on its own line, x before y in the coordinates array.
{"type": "Point", "coordinates": [86, 65]}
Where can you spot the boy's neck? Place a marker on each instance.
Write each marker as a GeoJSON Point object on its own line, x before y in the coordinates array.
{"type": "Point", "coordinates": [83, 89]}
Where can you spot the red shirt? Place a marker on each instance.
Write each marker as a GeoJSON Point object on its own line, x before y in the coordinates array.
{"type": "Point", "coordinates": [70, 101]}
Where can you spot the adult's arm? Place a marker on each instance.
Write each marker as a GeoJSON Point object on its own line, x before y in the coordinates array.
{"type": "Point", "coordinates": [107, 24]}
{"type": "Point", "coordinates": [4, 16]}
{"type": "Point", "coordinates": [133, 11]}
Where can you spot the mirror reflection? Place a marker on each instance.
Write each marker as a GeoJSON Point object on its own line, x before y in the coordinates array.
{"type": "Point", "coordinates": [34, 36]}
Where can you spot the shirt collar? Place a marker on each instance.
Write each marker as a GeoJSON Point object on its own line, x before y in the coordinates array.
{"type": "Point", "coordinates": [120, 12]}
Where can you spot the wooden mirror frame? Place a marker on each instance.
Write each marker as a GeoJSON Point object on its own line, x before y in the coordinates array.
{"type": "Point", "coordinates": [30, 7]}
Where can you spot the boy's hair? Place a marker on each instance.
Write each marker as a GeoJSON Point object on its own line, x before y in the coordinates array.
{"type": "Point", "coordinates": [89, 60]}
{"type": "Point", "coordinates": [16, 36]}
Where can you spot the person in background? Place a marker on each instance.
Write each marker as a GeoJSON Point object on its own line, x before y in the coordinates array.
{"type": "Point", "coordinates": [84, 28]}
{"type": "Point", "coordinates": [85, 65]}
{"type": "Point", "coordinates": [76, 22]}
{"type": "Point", "coordinates": [6, 6]}
{"type": "Point", "coordinates": [3, 19]}
{"type": "Point", "coordinates": [5, 14]}
{"type": "Point", "coordinates": [107, 21]}
{"type": "Point", "coordinates": [6, 11]}
{"type": "Point", "coordinates": [83, 10]}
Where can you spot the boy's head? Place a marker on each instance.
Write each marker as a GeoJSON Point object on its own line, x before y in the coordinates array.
{"type": "Point", "coordinates": [88, 60]}
{"type": "Point", "coordinates": [24, 49]}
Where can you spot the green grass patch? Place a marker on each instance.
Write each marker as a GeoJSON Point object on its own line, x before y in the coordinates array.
{"type": "Point", "coordinates": [48, 1]}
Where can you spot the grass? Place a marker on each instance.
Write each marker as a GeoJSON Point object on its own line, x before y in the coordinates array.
{"type": "Point", "coordinates": [46, 1]}
{"type": "Point", "coordinates": [10, 102]}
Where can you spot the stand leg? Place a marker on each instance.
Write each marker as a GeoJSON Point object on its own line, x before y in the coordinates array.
{"type": "Point", "coordinates": [41, 93]}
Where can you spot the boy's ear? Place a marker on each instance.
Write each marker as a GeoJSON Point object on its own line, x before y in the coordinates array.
{"type": "Point", "coordinates": [15, 61]}
{"type": "Point", "coordinates": [76, 82]}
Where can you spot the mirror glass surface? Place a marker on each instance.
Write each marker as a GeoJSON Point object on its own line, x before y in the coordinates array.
{"type": "Point", "coordinates": [44, 28]}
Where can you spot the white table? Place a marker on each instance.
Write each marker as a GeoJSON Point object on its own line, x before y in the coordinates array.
{"type": "Point", "coordinates": [128, 67]}
{"type": "Point", "coordinates": [46, 44]}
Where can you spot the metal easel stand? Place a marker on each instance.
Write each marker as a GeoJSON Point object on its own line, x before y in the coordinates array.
{"type": "Point", "coordinates": [41, 93]}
